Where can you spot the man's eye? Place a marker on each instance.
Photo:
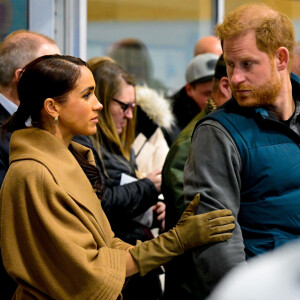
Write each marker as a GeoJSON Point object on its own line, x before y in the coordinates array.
{"type": "Point", "coordinates": [247, 64]}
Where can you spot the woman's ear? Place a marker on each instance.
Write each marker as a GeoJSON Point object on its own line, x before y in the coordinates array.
{"type": "Point", "coordinates": [282, 57]}
{"type": "Point", "coordinates": [51, 107]}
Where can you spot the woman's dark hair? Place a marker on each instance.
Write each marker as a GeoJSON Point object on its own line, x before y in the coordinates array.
{"type": "Point", "coordinates": [49, 76]}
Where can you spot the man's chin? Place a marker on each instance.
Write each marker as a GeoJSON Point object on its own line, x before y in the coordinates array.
{"type": "Point", "coordinates": [247, 102]}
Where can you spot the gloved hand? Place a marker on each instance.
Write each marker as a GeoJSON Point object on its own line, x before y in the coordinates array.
{"type": "Point", "coordinates": [191, 231]}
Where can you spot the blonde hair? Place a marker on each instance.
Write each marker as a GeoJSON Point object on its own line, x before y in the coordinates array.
{"type": "Point", "coordinates": [96, 59]}
{"type": "Point", "coordinates": [108, 75]}
{"type": "Point", "coordinates": [272, 28]}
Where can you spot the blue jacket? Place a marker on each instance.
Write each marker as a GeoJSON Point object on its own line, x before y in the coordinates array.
{"type": "Point", "coordinates": [270, 195]}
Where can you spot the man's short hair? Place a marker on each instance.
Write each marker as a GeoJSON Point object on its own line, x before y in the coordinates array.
{"type": "Point", "coordinates": [17, 50]}
{"type": "Point", "coordinates": [272, 28]}
{"type": "Point", "coordinates": [220, 71]}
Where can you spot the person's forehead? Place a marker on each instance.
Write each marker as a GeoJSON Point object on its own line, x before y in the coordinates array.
{"type": "Point", "coordinates": [240, 45]}
{"type": "Point", "coordinates": [126, 93]}
{"type": "Point", "coordinates": [85, 79]}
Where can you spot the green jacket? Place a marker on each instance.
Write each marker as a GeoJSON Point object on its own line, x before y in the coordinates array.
{"type": "Point", "coordinates": [187, 283]}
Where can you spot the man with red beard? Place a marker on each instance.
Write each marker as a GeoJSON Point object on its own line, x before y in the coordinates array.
{"type": "Point", "coordinates": [245, 156]}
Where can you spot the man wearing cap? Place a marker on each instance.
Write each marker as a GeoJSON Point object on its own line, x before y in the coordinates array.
{"type": "Point", "coordinates": [187, 284]}
{"type": "Point", "coordinates": [192, 98]}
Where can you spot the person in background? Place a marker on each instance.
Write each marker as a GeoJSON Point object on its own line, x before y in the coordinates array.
{"type": "Point", "coordinates": [296, 60]}
{"type": "Point", "coordinates": [208, 44]}
{"type": "Point", "coordinates": [16, 50]}
{"type": "Point", "coordinates": [56, 241]}
{"type": "Point", "coordinates": [133, 56]}
{"type": "Point", "coordinates": [188, 284]}
{"type": "Point", "coordinates": [135, 209]}
{"type": "Point", "coordinates": [193, 96]}
{"type": "Point", "coordinates": [154, 128]}
{"type": "Point", "coordinates": [251, 143]}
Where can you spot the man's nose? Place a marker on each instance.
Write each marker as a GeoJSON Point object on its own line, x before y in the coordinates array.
{"type": "Point", "coordinates": [237, 76]}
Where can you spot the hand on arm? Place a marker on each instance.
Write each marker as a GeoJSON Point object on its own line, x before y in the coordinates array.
{"type": "Point", "coordinates": [191, 231]}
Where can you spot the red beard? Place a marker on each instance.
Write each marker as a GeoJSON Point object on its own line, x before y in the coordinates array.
{"type": "Point", "coordinates": [263, 95]}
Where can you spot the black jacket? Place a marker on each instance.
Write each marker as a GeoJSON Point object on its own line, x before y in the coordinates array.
{"type": "Point", "coordinates": [4, 145]}
{"type": "Point", "coordinates": [8, 284]}
{"type": "Point", "coordinates": [122, 203]}
{"type": "Point", "coordinates": [184, 109]}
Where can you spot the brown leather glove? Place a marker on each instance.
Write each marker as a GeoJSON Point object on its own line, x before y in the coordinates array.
{"type": "Point", "coordinates": [191, 231]}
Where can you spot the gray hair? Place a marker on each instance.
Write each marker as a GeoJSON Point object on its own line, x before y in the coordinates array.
{"type": "Point", "coordinates": [17, 50]}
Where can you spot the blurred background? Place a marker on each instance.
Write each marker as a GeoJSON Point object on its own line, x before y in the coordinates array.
{"type": "Point", "coordinates": [155, 38]}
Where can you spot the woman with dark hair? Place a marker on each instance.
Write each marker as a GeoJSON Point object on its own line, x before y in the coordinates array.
{"type": "Point", "coordinates": [55, 239]}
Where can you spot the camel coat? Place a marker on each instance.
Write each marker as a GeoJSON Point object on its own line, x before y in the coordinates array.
{"type": "Point", "coordinates": [55, 240]}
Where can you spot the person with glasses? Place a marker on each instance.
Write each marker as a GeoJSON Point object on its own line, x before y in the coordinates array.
{"type": "Point", "coordinates": [130, 199]}
{"type": "Point", "coordinates": [125, 107]}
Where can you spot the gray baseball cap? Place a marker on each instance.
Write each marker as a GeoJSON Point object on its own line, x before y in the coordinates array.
{"type": "Point", "coordinates": [201, 68]}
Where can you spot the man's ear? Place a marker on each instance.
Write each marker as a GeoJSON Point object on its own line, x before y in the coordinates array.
{"type": "Point", "coordinates": [225, 87]}
{"type": "Point", "coordinates": [282, 58]}
{"type": "Point", "coordinates": [51, 107]}
{"type": "Point", "coordinates": [189, 89]}
{"type": "Point", "coordinates": [17, 74]}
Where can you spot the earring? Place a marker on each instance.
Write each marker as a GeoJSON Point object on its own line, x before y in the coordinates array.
{"type": "Point", "coordinates": [56, 121]}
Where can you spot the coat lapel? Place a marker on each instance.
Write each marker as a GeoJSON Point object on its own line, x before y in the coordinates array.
{"type": "Point", "coordinates": [42, 146]}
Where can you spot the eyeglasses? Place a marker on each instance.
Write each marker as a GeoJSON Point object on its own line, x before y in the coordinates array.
{"type": "Point", "coordinates": [125, 106]}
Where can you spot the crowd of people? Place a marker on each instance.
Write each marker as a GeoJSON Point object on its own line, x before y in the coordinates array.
{"type": "Point", "coordinates": [80, 218]}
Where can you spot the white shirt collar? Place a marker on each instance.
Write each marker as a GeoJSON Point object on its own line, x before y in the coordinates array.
{"type": "Point", "coordinates": [8, 105]}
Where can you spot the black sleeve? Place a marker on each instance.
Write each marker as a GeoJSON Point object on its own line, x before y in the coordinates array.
{"type": "Point", "coordinates": [128, 200]}
{"type": "Point", "coordinates": [122, 201]}
{"type": "Point", "coordinates": [4, 156]}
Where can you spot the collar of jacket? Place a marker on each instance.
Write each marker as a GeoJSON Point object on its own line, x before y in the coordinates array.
{"type": "Point", "coordinates": [211, 105]}
{"type": "Point", "coordinates": [42, 146]}
{"type": "Point", "coordinates": [156, 107]}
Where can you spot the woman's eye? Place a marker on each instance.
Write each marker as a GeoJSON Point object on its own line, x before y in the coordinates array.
{"type": "Point", "coordinates": [86, 96]}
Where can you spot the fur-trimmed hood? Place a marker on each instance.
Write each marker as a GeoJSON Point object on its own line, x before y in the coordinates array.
{"type": "Point", "coordinates": [157, 108]}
